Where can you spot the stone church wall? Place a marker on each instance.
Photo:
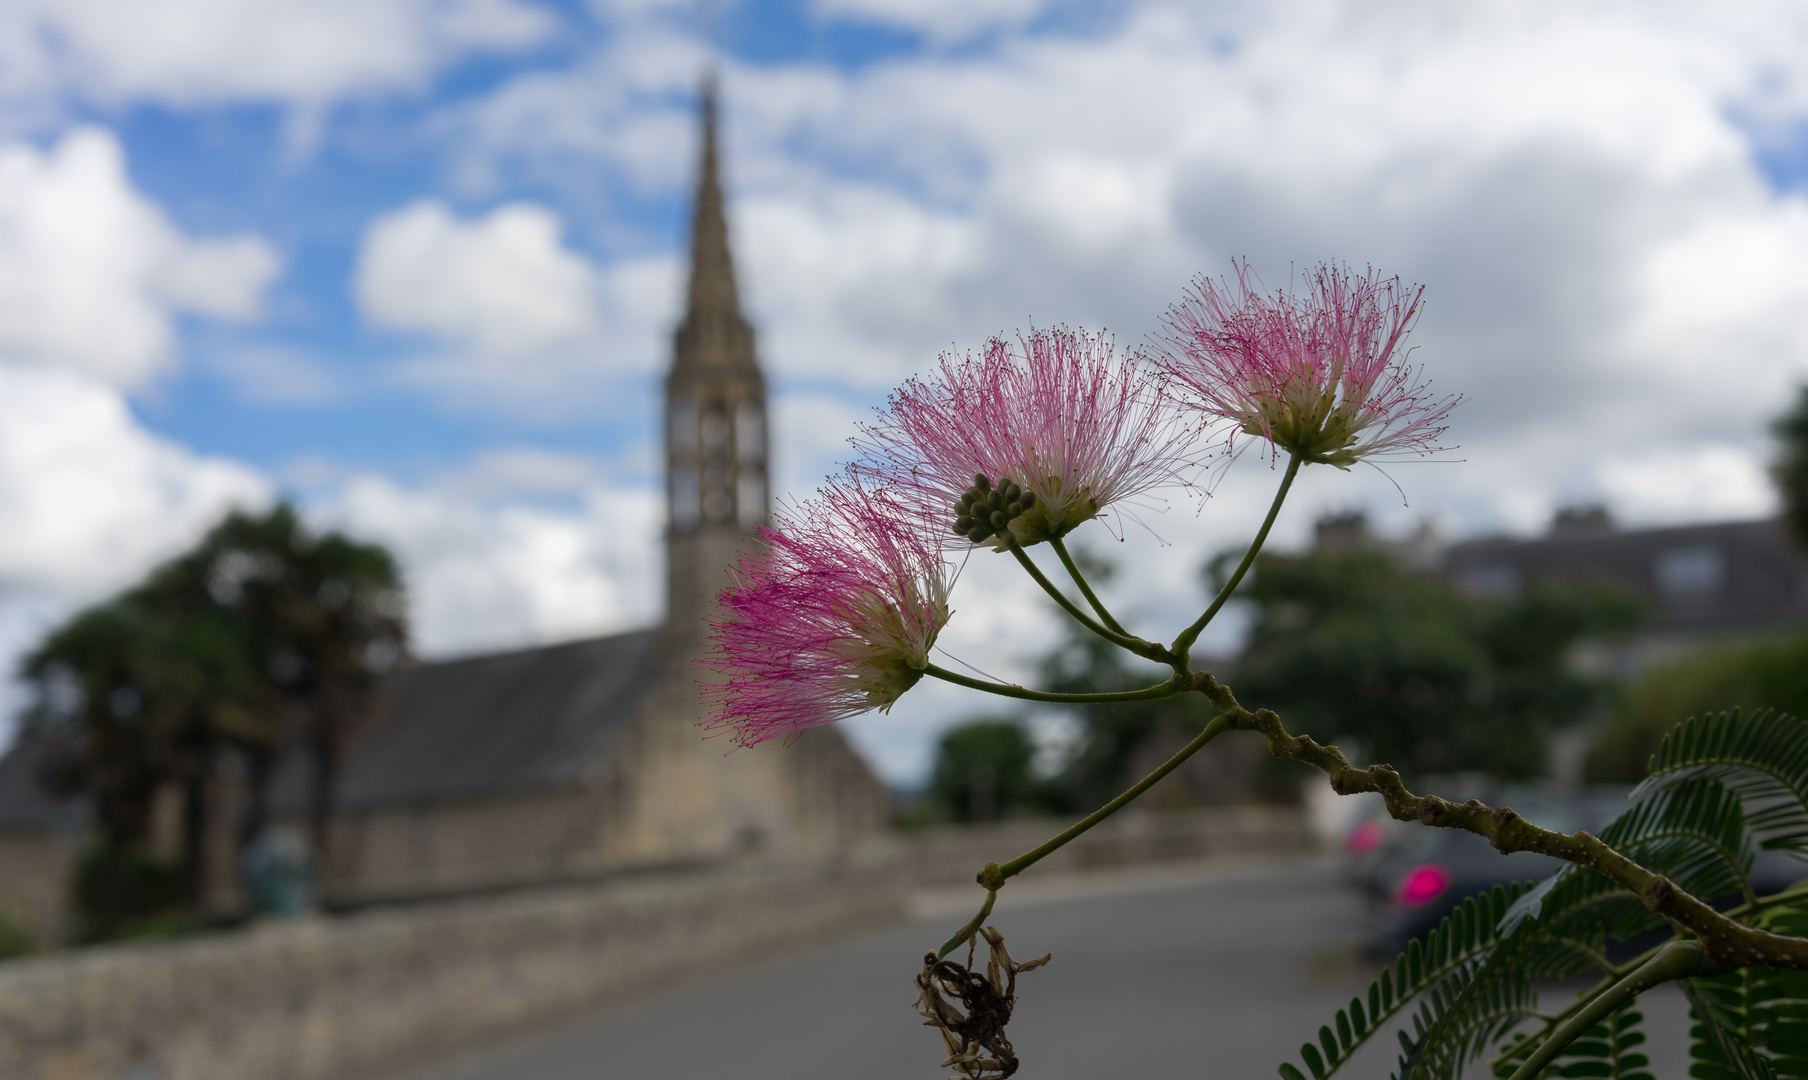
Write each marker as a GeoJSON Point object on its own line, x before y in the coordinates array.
{"type": "Point", "coordinates": [456, 847]}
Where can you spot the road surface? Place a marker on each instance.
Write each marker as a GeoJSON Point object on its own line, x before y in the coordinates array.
{"type": "Point", "coordinates": [1212, 971]}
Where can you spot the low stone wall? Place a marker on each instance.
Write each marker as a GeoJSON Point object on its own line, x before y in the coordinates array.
{"type": "Point", "coordinates": [953, 855]}
{"type": "Point", "coordinates": [336, 996]}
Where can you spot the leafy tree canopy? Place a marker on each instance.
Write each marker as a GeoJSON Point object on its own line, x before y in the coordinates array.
{"type": "Point", "coordinates": [1351, 644]}
{"type": "Point", "coordinates": [1790, 470]}
{"type": "Point", "coordinates": [1765, 675]}
{"type": "Point", "coordinates": [983, 771]}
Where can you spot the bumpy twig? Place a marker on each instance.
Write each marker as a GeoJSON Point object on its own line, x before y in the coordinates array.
{"type": "Point", "coordinates": [1728, 944]}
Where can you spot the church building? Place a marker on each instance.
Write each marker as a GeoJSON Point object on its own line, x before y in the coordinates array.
{"type": "Point", "coordinates": [575, 759]}
{"type": "Point", "coordinates": [566, 761]}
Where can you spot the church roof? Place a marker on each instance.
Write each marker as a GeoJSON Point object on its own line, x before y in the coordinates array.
{"type": "Point", "coordinates": [502, 724]}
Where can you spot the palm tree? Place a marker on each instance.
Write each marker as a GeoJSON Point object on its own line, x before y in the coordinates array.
{"type": "Point", "coordinates": [133, 694]}
{"type": "Point", "coordinates": [326, 613]}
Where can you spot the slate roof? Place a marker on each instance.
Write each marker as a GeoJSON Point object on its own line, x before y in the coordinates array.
{"type": "Point", "coordinates": [1727, 577]}
{"type": "Point", "coordinates": [501, 723]}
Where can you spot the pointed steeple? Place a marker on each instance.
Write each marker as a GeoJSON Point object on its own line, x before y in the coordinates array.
{"type": "Point", "coordinates": [712, 288]}
{"type": "Point", "coordinates": [715, 417]}
{"type": "Point", "coordinates": [713, 332]}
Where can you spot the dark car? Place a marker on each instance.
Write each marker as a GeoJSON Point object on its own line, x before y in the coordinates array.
{"type": "Point", "coordinates": [1417, 875]}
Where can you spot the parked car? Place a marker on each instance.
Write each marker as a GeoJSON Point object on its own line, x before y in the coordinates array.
{"type": "Point", "coordinates": [1413, 876]}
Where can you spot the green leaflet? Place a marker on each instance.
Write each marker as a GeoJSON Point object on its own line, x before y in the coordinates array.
{"type": "Point", "coordinates": [1763, 757]}
{"type": "Point", "coordinates": [1609, 1049]}
{"type": "Point", "coordinates": [1450, 1029]}
{"type": "Point", "coordinates": [1753, 1019]}
{"type": "Point", "coordinates": [1450, 953]}
{"type": "Point", "coordinates": [1722, 787]}
{"type": "Point", "coordinates": [1722, 1035]}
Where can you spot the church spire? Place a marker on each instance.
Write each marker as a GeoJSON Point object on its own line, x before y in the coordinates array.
{"type": "Point", "coordinates": [713, 333]}
{"type": "Point", "coordinates": [715, 418]}
{"type": "Point", "coordinates": [712, 290]}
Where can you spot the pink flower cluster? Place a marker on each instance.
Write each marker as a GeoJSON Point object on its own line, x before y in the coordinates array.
{"type": "Point", "coordinates": [835, 617]}
{"type": "Point", "coordinates": [1321, 373]}
{"type": "Point", "coordinates": [1061, 413]}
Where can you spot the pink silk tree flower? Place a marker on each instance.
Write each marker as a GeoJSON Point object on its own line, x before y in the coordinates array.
{"type": "Point", "coordinates": [833, 618]}
{"type": "Point", "coordinates": [1321, 372]}
{"type": "Point", "coordinates": [1027, 440]}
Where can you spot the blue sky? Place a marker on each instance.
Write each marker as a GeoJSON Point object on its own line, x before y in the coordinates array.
{"type": "Point", "coordinates": [415, 262]}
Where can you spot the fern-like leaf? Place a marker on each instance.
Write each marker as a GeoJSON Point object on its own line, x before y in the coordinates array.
{"type": "Point", "coordinates": [1451, 952]}
{"type": "Point", "coordinates": [1720, 1039]}
{"type": "Point", "coordinates": [1609, 1049]}
{"type": "Point", "coordinates": [1763, 757]}
{"type": "Point", "coordinates": [1462, 1016]}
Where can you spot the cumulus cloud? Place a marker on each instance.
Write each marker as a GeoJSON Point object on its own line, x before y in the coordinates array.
{"type": "Point", "coordinates": [517, 317]}
{"type": "Point", "coordinates": [91, 498]}
{"type": "Point", "coordinates": [93, 274]}
{"type": "Point", "coordinates": [941, 20]}
{"type": "Point", "coordinates": [515, 548]}
{"type": "Point", "coordinates": [504, 284]}
{"type": "Point", "coordinates": [192, 52]}
{"type": "Point", "coordinates": [1610, 273]}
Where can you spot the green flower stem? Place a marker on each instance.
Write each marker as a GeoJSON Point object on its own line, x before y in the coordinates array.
{"type": "Point", "coordinates": [1148, 693]}
{"type": "Point", "coordinates": [1191, 633]}
{"type": "Point", "coordinates": [995, 875]}
{"type": "Point", "coordinates": [1217, 727]}
{"type": "Point", "coordinates": [1677, 960]}
{"type": "Point", "coordinates": [965, 933]}
{"type": "Point", "coordinates": [1146, 649]}
{"type": "Point", "coordinates": [1079, 579]}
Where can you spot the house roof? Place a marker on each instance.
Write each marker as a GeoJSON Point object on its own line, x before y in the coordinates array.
{"type": "Point", "coordinates": [1727, 577]}
{"type": "Point", "coordinates": [502, 723]}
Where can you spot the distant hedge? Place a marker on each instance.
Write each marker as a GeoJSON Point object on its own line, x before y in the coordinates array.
{"type": "Point", "coordinates": [1766, 675]}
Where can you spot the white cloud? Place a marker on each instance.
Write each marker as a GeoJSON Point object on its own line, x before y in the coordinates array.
{"type": "Point", "coordinates": [502, 285]}
{"type": "Point", "coordinates": [91, 498]}
{"type": "Point", "coordinates": [943, 20]}
{"type": "Point", "coordinates": [516, 315]}
{"type": "Point", "coordinates": [1612, 281]}
{"type": "Point", "coordinates": [92, 272]}
{"type": "Point", "coordinates": [190, 52]}
{"type": "Point", "coordinates": [491, 562]}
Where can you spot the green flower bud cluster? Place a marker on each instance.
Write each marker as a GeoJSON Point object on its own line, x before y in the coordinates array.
{"type": "Point", "coordinates": [984, 510]}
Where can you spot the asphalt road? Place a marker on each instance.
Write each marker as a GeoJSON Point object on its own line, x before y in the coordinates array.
{"type": "Point", "coordinates": [1209, 971]}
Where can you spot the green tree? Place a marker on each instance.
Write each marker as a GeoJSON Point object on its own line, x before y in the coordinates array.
{"type": "Point", "coordinates": [326, 615]}
{"type": "Point", "coordinates": [983, 771]}
{"type": "Point", "coordinates": [1112, 734]}
{"type": "Point", "coordinates": [1766, 675]}
{"type": "Point", "coordinates": [1790, 470]}
{"type": "Point", "coordinates": [1431, 680]}
{"type": "Point", "coordinates": [263, 618]}
{"type": "Point", "coordinates": [133, 694]}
